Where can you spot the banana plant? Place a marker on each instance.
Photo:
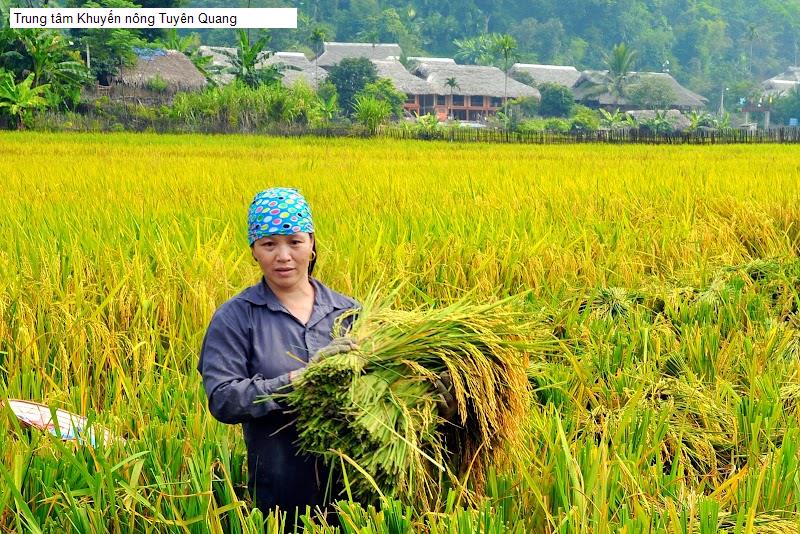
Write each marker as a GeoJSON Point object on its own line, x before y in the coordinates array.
{"type": "Point", "coordinates": [20, 99]}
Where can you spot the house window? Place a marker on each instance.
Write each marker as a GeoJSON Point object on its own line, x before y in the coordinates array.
{"type": "Point", "coordinates": [476, 101]}
{"type": "Point", "coordinates": [411, 99]}
{"type": "Point", "coordinates": [458, 100]}
{"type": "Point", "coordinates": [496, 102]}
{"type": "Point", "coordinates": [440, 100]}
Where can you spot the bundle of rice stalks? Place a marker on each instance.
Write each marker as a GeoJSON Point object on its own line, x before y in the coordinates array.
{"type": "Point", "coordinates": [612, 303]}
{"type": "Point", "coordinates": [375, 408]}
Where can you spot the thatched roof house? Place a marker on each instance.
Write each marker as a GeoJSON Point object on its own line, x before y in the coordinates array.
{"type": "Point", "coordinates": [589, 90]}
{"type": "Point", "coordinates": [678, 120]}
{"type": "Point", "coordinates": [420, 59]}
{"type": "Point", "coordinates": [296, 66]}
{"type": "Point", "coordinates": [307, 76]}
{"type": "Point", "coordinates": [295, 60]}
{"type": "Point", "coordinates": [782, 83]}
{"type": "Point", "coordinates": [559, 74]}
{"type": "Point", "coordinates": [472, 80]}
{"type": "Point", "coordinates": [335, 52]}
{"type": "Point", "coordinates": [154, 67]}
{"type": "Point", "coordinates": [403, 80]}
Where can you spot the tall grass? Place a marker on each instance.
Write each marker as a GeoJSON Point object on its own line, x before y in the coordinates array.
{"type": "Point", "coordinates": [669, 275]}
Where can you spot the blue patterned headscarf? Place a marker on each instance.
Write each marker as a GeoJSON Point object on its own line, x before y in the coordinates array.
{"type": "Point", "coordinates": [278, 211]}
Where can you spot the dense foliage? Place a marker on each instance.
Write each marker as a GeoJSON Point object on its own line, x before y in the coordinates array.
{"type": "Point", "coordinates": [708, 43]}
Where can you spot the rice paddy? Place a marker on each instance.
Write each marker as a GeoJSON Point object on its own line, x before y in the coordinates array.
{"type": "Point", "coordinates": [668, 278]}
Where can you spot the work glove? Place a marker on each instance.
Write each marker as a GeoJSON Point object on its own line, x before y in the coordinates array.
{"type": "Point", "coordinates": [338, 346]}
{"type": "Point", "coordinates": [448, 405]}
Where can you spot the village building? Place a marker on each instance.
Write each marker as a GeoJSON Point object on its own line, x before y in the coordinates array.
{"type": "Point", "coordinates": [294, 66]}
{"type": "Point", "coordinates": [558, 74]}
{"type": "Point", "coordinates": [333, 52]}
{"type": "Point", "coordinates": [476, 93]}
{"type": "Point", "coordinates": [154, 78]}
{"type": "Point", "coordinates": [592, 90]}
{"type": "Point", "coordinates": [416, 89]}
{"type": "Point", "coordinates": [782, 84]}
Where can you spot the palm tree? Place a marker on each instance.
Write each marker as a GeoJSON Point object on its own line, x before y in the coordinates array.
{"type": "Point", "coordinates": [318, 37]}
{"type": "Point", "coordinates": [752, 37]}
{"type": "Point", "coordinates": [616, 78]}
{"type": "Point", "coordinates": [21, 98]}
{"type": "Point", "coordinates": [620, 64]}
{"type": "Point", "coordinates": [473, 50]}
{"type": "Point", "coordinates": [452, 83]}
{"type": "Point", "coordinates": [504, 45]}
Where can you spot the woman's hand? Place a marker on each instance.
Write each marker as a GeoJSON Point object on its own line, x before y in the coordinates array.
{"type": "Point", "coordinates": [448, 406]}
{"type": "Point", "coordinates": [339, 345]}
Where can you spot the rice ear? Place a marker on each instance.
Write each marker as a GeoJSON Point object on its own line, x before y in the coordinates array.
{"type": "Point", "coordinates": [378, 405]}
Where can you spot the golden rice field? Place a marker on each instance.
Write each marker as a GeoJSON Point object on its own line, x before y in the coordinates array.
{"type": "Point", "coordinates": [668, 277]}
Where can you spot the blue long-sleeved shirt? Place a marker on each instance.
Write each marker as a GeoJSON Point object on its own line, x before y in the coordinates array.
{"type": "Point", "coordinates": [251, 345]}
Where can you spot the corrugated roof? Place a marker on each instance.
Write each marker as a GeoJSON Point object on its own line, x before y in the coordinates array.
{"type": "Point", "coordinates": [560, 74]}
{"type": "Point", "coordinates": [472, 80]}
{"type": "Point", "coordinates": [335, 52]}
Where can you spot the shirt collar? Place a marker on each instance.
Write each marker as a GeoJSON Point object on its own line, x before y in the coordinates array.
{"type": "Point", "coordinates": [260, 294]}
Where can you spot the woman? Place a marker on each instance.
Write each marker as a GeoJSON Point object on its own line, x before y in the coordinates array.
{"type": "Point", "coordinates": [259, 341]}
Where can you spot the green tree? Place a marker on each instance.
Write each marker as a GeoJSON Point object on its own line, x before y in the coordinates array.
{"type": "Point", "coordinates": [618, 75]}
{"type": "Point", "coordinates": [659, 124]}
{"type": "Point", "coordinates": [452, 83]}
{"type": "Point", "coordinates": [188, 45]}
{"type": "Point", "coordinates": [45, 54]}
{"type": "Point", "coordinates": [652, 93]}
{"type": "Point", "coordinates": [787, 107]}
{"type": "Point", "coordinates": [585, 120]}
{"type": "Point", "coordinates": [474, 50]}
{"type": "Point", "coordinates": [20, 99]}
{"type": "Point", "coordinates": [612, 121]}
{"type": "Point", "coordinates": [384, 89]}
{"type": "Point", "coordinates": [620, 64]}
{"type": "Point", "coordinates": [371, 112]}
{"type": "Point", "coordinates": [350, 77]}
{"type": "Point", "coordinates": [317, 39]}
{"type": "Point", "coordinates": [246, 62]}
{"type": "Point", "coordinates": [556, 100]}
{"type": "Point", "coordinates": [105, 52]}
{"type": "Point", "coordinates": [504, 46]}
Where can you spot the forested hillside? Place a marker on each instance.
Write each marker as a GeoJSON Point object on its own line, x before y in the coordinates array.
{"type": "Point", "coordinates": [708, 43]}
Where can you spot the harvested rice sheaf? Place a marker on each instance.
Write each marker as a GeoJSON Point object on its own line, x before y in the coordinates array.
{"type": "Point", "coordinates": [377, 408]}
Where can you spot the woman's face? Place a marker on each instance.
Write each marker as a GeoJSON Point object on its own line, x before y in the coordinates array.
{"type": "Point", "coordinates": [284, 259]}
